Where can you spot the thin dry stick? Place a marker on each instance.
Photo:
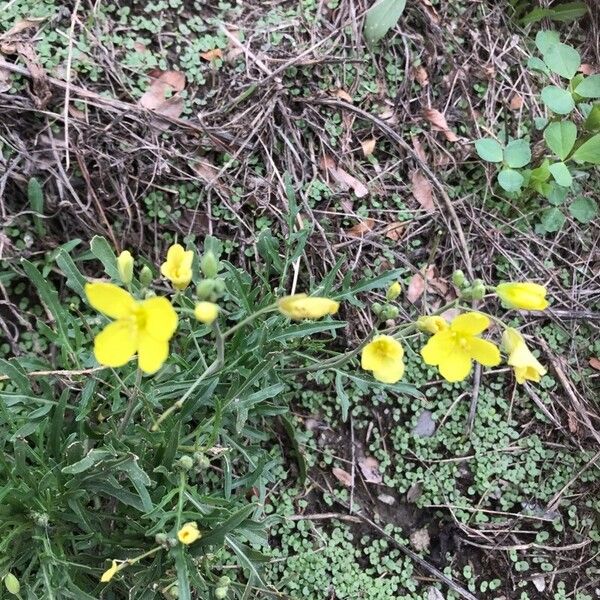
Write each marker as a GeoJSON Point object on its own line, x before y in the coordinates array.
{"type": "Point", "coordinates": [68, 82]}
{"type": "Point", "coordinates": [61, 373]}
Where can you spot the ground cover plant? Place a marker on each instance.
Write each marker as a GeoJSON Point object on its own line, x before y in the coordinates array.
{"type": "Point", "coordinates": [299, 300]}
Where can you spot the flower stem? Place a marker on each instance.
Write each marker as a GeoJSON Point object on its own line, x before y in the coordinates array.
{"type": "Point", "coordinates": [131, 404]}
{"type": "Point", "coordinates": [249, 319]}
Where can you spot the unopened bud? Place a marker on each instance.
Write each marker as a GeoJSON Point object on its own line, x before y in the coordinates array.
{"type": "Point", "coordinates": [160, 538]}
{"type": "Point", "coordinates": [205, 289]}
{"type": "Point", "coordinates": [458, 278]}
{"type": "Point", "coordinates": [12, 584]}
{"type": "Point", "coordinates": [146, 276]}
{"type": "Point", "coordinates": [478, 290]}
{"type": "Point", "coordinates": [220, 593]}
{"type": "Point", "coordinates": [125, 266]}
{"type": "Point", "coordinates": [209, 265]}
{"type": "Point", "coordinates": [185, 463]}
{"type": "Point", "coordinates": [377, 308]}
{"type": "Point", "coordinates": [202, 461]}
{"type": "Point", "coordinates": [394, 291]}
{"type": "Point", "coordinates": [224, 581]}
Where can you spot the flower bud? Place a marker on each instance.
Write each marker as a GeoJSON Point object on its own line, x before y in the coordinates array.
{"type": "Point", "coordinates": [205, 289]}
{"type": "Point", "coordinates": [206, 312]}
{"type": "Point", "coordinates": [390, 312]}
{"type": "Point", "coordinates": [173, 592]}
{"type": "Point", "coordinates": [377, 308]}
{"type": "Point", "coordinates": [160, 538]}
{"type": "Point", "coordinates": [125, 266]}
{"type": "Point", "coordinates": [202, 461]}
{"type": "Point", "coordinates": [209, 265]}
{"type": "Point", "coordinates": [185, 463]}
{"type": "Point", "coordinates": [394, 291]}
{"type": "Point", "coordinates": [12, 584]}
{"type": "Point", "coordinates": [146, 276]}
{"type": "Point", "coordinates": [478, 289]}
{"type": "Point", "coordinates": [224, 581]}
{"type": "Point", "coordinates": [220, 593]}
{"type": "Point", "coordinates": [459, 279]}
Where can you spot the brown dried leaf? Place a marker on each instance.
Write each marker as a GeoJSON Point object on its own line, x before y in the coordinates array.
{"type": "Point", "coordinates": [394, 231]}
{"type": "Point", "coordinates": [343, 95]}
{"type": "Point", "coordinates": [39, 79]}
{"type": "Point", "coordinates": [164, 83]}
{"type": "Point", "coordinates": [421, 75]}
{"type": "Point", "coordinates": [595, 363]}
{"type": "Point", "coordinates": [420, 539]}
{"type": "Point", "coordinates": [414, 492]}
{"type": "Point", "coordinates": [369, 467]}
{"type": "Point", "coordinates": [212, 54]}
{"type": "Point", "coordinates": [4, 80]}
{"type": "Point", "coordinates": [431, 13]}
{"type": "Point", "coordinates": [516, 102]}
{"type": "Point", "coordinates": [587, 69]}
{"type": "Point", "coordinates": [418, 148]}
{"type": "Point", "coordinates": [361, 228]}
{"type": "Point", "coordinates": [418, 283]}
{"type": "Point", "coordinates": [20, 26]}
{"type": "Point", "coordinates": [572, 422]}
{"type": "Point", "coordinates": [343, 178]}
{"type": "Point", "coordinates": [342, 476]}
{"type": "Point", "coordinates": [368, 146]}
{"type": "Point", "coordinates": [422, 190]}
{"type": "Point", "coordinates": [439, 123]}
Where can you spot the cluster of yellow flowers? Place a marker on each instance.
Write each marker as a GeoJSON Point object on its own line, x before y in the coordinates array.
{"type": "Point", "coordinates": [454, 345]}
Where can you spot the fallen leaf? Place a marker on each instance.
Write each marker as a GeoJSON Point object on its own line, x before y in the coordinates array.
{"type": "Point", "coordinates": [587, 69]}
{"type": "Point", "coordinates": [416, 286]}
{"type": "Point", "coordinates": [342, 476]}
{"type": "Point", "coordinates": [394, 231]}
{"type": "Point", "coordinates": [422, 190]}
{"type": "Point", "coordinates": [418, 148]}
{"type": "Point", "coordinates": [439, 123]}
{"type": "Point", "coordinates": [369, 467]}
{"type": "Point", "coordinates": [361, 228]}
{"type": "Point", "coordinates": [40, 87]}
{"type": "Point", "coordinates": [421, 75]}
{"type": "Point", "coordinates": [420, 539]}
{"type": "Point", "coordinates": [343, 95]}
{"type": "Point", "coordinates": [516, 102]}
{"type": "Point", "coordinates": [431, 13]}
{"type": "Point", "coordinates": [212, 54]}
{"type": "Point", "coordinates": [4, 80]}
{"type": "Point", "coordinates": [414, 492]}
{"type": "Point", "coordinates": [539, 582]}
{"type": "Point", "coordinates": [434, 594]}
{"type": "Point", "coordinates": [425, 426]}
{"type": "Point", "coordinates": [139, 47]}
{"type": "Point", "coordinates": [595, 363]}
{"type": "Point", "coordinates": [572, 422]}
{"type": "Point", "coordinates": [20, 26]}
{"type": "Point", "coordinates": [368, 146]}
{"type": "Point", "coordinates": [162, 94]}
{"type": "Point", "coordinates": [386, 499]}
{"type": "Point", "coordinates": [343, 178]}
{"type": "Point", "coordinates": [389, 115]}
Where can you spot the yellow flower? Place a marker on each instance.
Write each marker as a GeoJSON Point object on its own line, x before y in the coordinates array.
{"type": "Point", "coordinates": [453, 349]}
{"type": "Point", "coordinates": [525, 364]}
{"type": "Point", "coordinates": [393, 291]}
{"type": "Point", "coordinates": [384, 357]}
{"type": "Point", "coordinates": [189, 533]}
{"type": "Point", "coordinates": [143, 327]}
{"type": "Point", "coordinates": [125, 266]}
{"type": "Point", "coordinates": [178, 266]}
{"type": "Point", "coordinates": [526, 295]}
{"type": "Point", "coordinates": [110, 573]}
{"type": "Point", "coordinates": [432, 324]}
{"type": "Point", "coordinates": [206, 312]}
{"type": "Point", "coordinates": [301, 306]}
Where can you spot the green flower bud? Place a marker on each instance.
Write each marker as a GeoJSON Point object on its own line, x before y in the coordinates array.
{"type": "Point", "coordinates": [209, 265]}
{"type": "Point", "coordinates": [174, 592]}
{"type": "Point", "coordinates": [219, 286]}
{"type": "Point", "coordinates": [205, 289]}
{"type": "Point", "coordinates": [459, 279]}
{"type": "Point", "coordinates": [220, 593]}
{"type": "Point", "coordinates": [394, 291]}
{"type": "Point", "coordinates": [185, 463]}
{"type": "Point", "coordinates": [146, 276]}
{"type": "Point", "coordinates": [377, 308]}
{"type": "Point", "coordinates": [125, 267]}
{"type": "Point", "coordinates": [160, 538]}
{"type": "Point", "coordinates": [391, 312]}
{"type": "Point", "coordinates": [478, 290]}
{"type": "Point", "coordinates": [224, 581]}
{"type": "Point", "coordinates": [12, 584]}
{"type": "Point", "coordinates": [202, 461]}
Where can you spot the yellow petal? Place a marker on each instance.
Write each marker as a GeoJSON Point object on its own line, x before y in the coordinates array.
{"type": "Point", "coordinates": [160, 318]}
{"type": "Point", "coordinates": [471, 323]}
{"type": "Point", "coordinates": [109, 573]}
{"type": "Point", "coordinates": [301, 306]}
{"type": "Point", "coordinates": [116, 344]}
{"type": "Point", "coordinates": [125, 266]}
{"type": "Point", "coordinates": [152, 353]}
{"type": "Point", "coordinates": [456, 366]}
{"type": "Point", "coordinates": [206, 312]}
{"type": "Point", "coordinates": [189, 533]}
{"type": "Point", "coordinates": [390, 372]}
{"type": "Point", "coordinates": [484, 352]}
{"type": "Point", "coordinates": [438, 347]}
{"type": "Point", "coordinates": [110, 299]}
{"type": "Point", "coordinates": [525, 295]}
{"type": "Point", "coordinates": [511, 338]}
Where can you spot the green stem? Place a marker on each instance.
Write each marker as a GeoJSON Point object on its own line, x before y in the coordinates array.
{"type": "Point", "coordinates": [250, 318]}
{"type": "Point", "coordinates": [130, 404]}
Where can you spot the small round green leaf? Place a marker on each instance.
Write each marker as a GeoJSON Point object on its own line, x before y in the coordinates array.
{"type": "Point", "coordinates": [561, 174]}
{"type": "Point", "coordinates": [557, 194]}
{"type": "Point", "coordinates": [558, 100]}
{"type": "Point", "coordinates": [553, 220]}
{"type": "Point", "coordinates": [560, 137]}
{"type": "Point", "coordinates": [589, 151]}
{"type": "Point", "coordinates": [589, 87]}
{"type": "Point", "coordinates": [537, 64]}
{"type": "Point", "coordinates": [517, 154]}
{"type": "Point", "coordinates": [562, 60]}
{"type": "Point", "coordinates": [489, 149]}
{"type": "Point", "coordinates": [584, 209]}
{"type": "Point", "coordinates": [510, 180]}
{"type": "Point", "coordinates": [544, 40]}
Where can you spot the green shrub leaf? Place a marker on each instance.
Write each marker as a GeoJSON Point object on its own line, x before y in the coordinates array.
{"type": "Point", "coordinates": [589, 151]}
{"type": "Point", "coordinates": [510, 180]}
{"type": "Point", "coordinates": [544, 40]}
{"type": "Point", "coordinates": [561, 174]}
{"type": "Point", "coordinates": [517, 154]}
{"type": "Point", "coordinates": [562, 60]}
{"type": "Point", "coordinates": [592, 121]}
{"type": "Point", "coordinates": [589, 87]}
{"type": "Point", "coordinates": [381, 17]}
{"type": "Point", "coordinates": [558, 100]}
{"type": "Point", "coordinates": [560, 137]}
{"type": "Point", "coordinates": [489, 149]}
{"type": "Point", "coordinates": [553, 220]}
{"type": "Point", "coordinates": [584, 209]}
